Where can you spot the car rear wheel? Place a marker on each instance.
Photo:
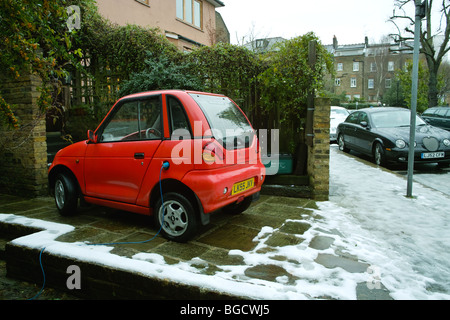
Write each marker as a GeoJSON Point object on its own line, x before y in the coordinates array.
{"type": "Point", "coordinates": [341, 143]}
{"type": "Point", "coordinates": [378, 155]}
{"type": "Point", "coordinates": [66, 196]}
{"type": "Point", "coordinates": [177, 217]}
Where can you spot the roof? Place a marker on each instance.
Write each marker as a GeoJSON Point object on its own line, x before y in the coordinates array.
{"type": "Point", "coordinates": [216, 3]}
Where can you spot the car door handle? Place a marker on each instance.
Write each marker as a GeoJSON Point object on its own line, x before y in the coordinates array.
{"type": "Point", "coordinates": [139, 155]}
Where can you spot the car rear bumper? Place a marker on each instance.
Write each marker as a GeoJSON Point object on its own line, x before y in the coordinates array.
{"type": "Point", "coordinates": [214, 187]}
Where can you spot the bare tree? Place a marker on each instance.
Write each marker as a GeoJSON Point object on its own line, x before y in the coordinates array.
{"type": "Point", "coordinates": [434, 43]}
{"type": "Point", "coordinates": [378, 55]}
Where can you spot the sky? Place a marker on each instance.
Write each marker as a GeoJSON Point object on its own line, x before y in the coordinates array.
{"type": "Point", "coordinates": [349, 20]}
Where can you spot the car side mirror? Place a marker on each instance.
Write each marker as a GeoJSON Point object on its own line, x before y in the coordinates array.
{"type": "Point", "coordinates": [364, 124]}
{"type": "Point", "coordinates": [92, 137]}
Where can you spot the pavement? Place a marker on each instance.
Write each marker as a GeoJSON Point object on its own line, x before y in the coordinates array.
{"type": "Point", "coordinates": [213, 246]}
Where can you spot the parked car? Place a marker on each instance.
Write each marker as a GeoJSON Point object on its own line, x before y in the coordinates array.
{"type": "Point", "coordinates": [198, 148]}
{"type": "Point", "coordinates": [384, 134]}
{"type": "Point", "coordinates": [337, 115]}
{"type": "Point", "coordinates": [438, 117]}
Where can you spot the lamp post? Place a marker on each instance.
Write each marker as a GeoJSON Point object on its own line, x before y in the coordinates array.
{"type": "Point", "coordinates": [420, 14]}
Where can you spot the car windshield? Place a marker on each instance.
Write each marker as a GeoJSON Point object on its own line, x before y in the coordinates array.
{"type": "Point", "coordinates": [228, 124]}
{"type": "Point", "coordinates": [389, 119]}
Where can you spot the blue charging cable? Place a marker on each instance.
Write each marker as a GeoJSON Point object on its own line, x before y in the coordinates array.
{"type": "Point", "coordinates": [165, 166]}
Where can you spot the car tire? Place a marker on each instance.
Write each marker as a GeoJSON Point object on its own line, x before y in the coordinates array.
{"type": "Point", "coordinates": [341, 143]}
{"type": "Point", "coordinates": [236, 209]}
{"type": "Point", "coordinates": [66, 195]}
{"type": "Point", "coordinates": [378, 155]}
{"type": "Point", "coordinates": [178, 219]}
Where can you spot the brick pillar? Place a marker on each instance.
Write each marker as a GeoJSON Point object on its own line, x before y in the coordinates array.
{"type": "Point", "coordinates": [319, 153]}
{"type": "Point", "coordinates": [23, 152]}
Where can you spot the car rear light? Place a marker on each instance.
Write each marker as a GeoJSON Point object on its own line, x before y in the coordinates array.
{"type": "Point", "coordinates": [213, 153]}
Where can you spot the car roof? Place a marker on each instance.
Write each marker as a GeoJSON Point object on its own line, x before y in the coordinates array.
{"type": "Point", "coordinates": [439, 107]}
{"type": "Point", "coordinates": [382, 109]}
{"type": "Point", "coordinates": [338, 107]}
{"type": "Point", "coordinates": [167, 91]}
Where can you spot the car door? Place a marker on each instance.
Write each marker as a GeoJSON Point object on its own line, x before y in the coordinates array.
{"type": "Point", "coordinates": [363, 137]}
{"type": "Point", "coordinates": [349, 129]}
{"type": "Point", "coordinates": [127, 140]}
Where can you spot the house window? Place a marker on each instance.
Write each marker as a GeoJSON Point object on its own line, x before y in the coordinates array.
{"type": "Point", "coordinates": [337, 82]}
{"type": "Point", "coordinates": [391, 66]}
{"type": "Point", "coordinates": [387, 83]}
{"type": "Point", "coordinates": [371, 84]}
{"type": "Point", "coordinates": [373, 67]}
{"type": "Point", "coordinates": [190, 11]}
{"type": "Point", "coordinates": [340, 66]}
{"type": "Point", "coordinates": [353, 82]}
{"type": "Point", "coordinates": [355, 66]}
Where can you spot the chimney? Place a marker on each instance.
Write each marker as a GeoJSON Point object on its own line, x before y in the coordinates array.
{"type": "Point", "coordinates": [335, 42]}
{"type": "Point", "coordinates": [366, 41]}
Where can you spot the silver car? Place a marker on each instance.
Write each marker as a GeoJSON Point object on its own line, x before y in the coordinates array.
{"type": "Point", "coordinates": [337, 115]}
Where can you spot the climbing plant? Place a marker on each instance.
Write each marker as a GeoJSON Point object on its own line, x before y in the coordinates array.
{"type": "Point", "coordinates": [228, 69]}
{"type": "Point", "coordinates": [35, 39]}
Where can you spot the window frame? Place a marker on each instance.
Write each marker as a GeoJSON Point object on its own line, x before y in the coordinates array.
{"type": "Point", "coordinates": [119, 106]}
{"type": "Point", "coordinates": [169, 115]}
{"type": "Point", "coordinates": [190, 17]}
{"type": "Point", "coordinates": [388, 83]}
{"type": "Point", "coordinates": [337, 82]}
{"type": "Point", "coordinates": [391, 65]}
{"type": "Point", "coordinates": [353, 82]}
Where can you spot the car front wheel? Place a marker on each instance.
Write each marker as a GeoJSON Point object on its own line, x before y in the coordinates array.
{"type": "Point", "coordinates": [66, 197]}
{"type": "Point", "coordinates": [378, 155]}
{"type": "Point", "coordinates": [176, 217]}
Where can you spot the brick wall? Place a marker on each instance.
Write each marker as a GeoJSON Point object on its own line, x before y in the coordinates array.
{"type": "Point", "coordinates": [23, 152]}
{"type": "Point", "coordinates": [319, 153]}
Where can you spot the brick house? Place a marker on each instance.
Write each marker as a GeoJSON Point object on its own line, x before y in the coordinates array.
{"type": "Point", "coordinates": [186, 23]}
{"type": "Point", "coordinates": [366, 71]}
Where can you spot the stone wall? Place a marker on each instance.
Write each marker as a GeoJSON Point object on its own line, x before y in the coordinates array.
{"type": "Point", "coordinates": [23, 152]}
{"type": "Point", "coordinates": [319, 153]}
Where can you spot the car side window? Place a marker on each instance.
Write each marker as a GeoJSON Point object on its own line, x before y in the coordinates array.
{"type": "Point", "coordinates": [135, 120]}
{"type": "Point", "coordinates": [178, 120]}
{"type": "Point", "coordinates": [441, 113]}
{"type": "Point", "coordinates": [353, 118]}
{"type": "Point", "coordinates": [363, 117]}
{"type": "Point", "coordinates": [429, 112]}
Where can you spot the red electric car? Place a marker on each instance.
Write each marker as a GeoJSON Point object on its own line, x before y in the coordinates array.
{"type": "Point", "coordinates": [198, 148]}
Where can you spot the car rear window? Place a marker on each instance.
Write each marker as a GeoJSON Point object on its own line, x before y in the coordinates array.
{"type": "Point", "coordinates": [228, 124]}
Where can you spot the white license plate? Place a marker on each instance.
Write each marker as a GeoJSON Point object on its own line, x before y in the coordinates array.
{"type": "Point", "coordinates": [432, 155]}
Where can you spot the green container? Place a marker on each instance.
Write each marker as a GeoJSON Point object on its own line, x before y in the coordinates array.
{"type": "Point", "coordinates": [278, 164]}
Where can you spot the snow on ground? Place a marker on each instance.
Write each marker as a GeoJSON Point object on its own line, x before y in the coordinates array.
{"type": "Point", "coordinates": [407, 238]}
{"type": "Point", "coordinates": [406, 242]}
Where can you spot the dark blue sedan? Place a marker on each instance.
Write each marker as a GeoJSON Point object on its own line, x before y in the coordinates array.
{"type": "Point", "coordinates": [383, 133]}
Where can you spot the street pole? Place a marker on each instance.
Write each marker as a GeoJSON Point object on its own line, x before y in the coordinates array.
{"type": "Point", "coordinates": [420, 13]}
